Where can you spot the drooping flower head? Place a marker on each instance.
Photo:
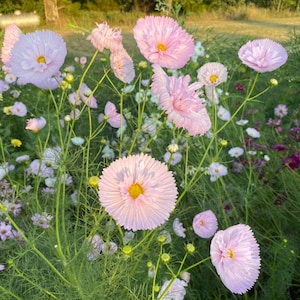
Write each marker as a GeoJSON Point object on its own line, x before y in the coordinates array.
{"type": "Point", "coordinates": [37, 56]}
{"type": "Point", "coordinates": [212, 74]}
{"type": "Point", "coordinates": [263, 55]}
{"type": "Point", "coordinates": [122, 65]}
{"type": "Point", "coordinates": [103, 37]}
{"type": "Point", "coordinates": [205, 224]}
{"type": "Point", "coordinates": [162, 41]}
{"type": "Point", "coordinates": [11, 35]}
{"type": "Point", "coordinates": [181, 101]}
{"type": "Point", "coordinates": [235, 254]}
{"type": "Point", "coordinates": [138, 192]}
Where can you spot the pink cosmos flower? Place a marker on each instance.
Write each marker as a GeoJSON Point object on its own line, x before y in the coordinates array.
{"type": "Point", "coordinates": [103, 37]}
{"type": "Point", "coordinates": [86, 96]}
{"type": "Point", "coordinates": [212, 74]}
{"type": "Point", "coordinates": [122, 65]}
{"type": "Point", "coordinates": [37, 56]}
{"type": "Point", "coordinates": [280, 110]}
{"type": "Point", "coordinates": [181, 101]}
{"type": "Point", "coordinates": [162, 41]}
{"type": "Point", "coordinates": [235, 254]}
{"type": "Point", "coordinates": [11, 35]}
{"type": "Point", "coordinates": [19, 109]}
{"type": "Point", "coordinates": [263, 55]}
{"type": "Point", "coordinates": [36, 124]}
{"type": "Point", "coordinates": [205, 224]}
{"type": "Point", "coordinates": [138, 192]}
{"type": "Point", "coordinates": [114, 119]}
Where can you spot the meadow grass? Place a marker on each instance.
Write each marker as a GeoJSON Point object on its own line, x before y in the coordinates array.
{"type": "Point", "coordinates": [52, 263]}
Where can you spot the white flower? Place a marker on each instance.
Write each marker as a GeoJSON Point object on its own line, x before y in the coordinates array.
{"type": "Point", "coordinates": [51, 158]}
{"type": "Point", "coordinates": [266, 157]}
{"type": "Point", "coordinates": [241, 122]}
{"type": "Point", "coordinates": [128, 236]}
{"type": "Point", "coordinates": [253, 132]}
{"type": "Point", "coordinates": [77, 141]}
{"type": "Point", "coordinates": [216, 170]}
{"type": "Point", "coordinates": [50, 181]}
{"type": "Point", "coordinates": [108, 153]}
{"type": "Point", "coordinates": [236, 152]}
{"type": "Point", "coordinates": [178, 228]}
{"type": "Point", "coordinates": [251, 152]}
{"type": "Point", "coordinates": [223, 113]}
{"type": "Point", "coordinates": [176, 292]}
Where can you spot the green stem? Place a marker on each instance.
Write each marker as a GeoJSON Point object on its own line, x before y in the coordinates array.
{"type": "Point", "coordinates": [38, 252]}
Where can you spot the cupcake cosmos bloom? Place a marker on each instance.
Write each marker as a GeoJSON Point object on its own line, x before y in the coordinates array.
{"type": "Point", "coordinates": [235, 254]}
{"type": "Point", "coordinates": [37, 56]}
{"type": "Point", "coordinates": [138, 192]}
{"type": "Point", "coordinates": [162, 41]}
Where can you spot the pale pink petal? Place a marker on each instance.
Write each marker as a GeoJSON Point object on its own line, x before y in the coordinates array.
{"type": "Point", "coordinates": [235, 254]}
{"type": "Point", "coordinates": [181, 103]}
{"type": "Point", "coordinates": [205, 224]}
{"type": "Point", "coordinates": [11, 35]}
{"type": "Point", "coordinates": [138, 192]}
{"type": "Point", "coordinates": [162, 41]}
{"type": "Point", "coordinates": [263, 55]}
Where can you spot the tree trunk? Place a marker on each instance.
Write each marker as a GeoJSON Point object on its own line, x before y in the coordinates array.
{"type": "Point", "coordinates": [51, 10]}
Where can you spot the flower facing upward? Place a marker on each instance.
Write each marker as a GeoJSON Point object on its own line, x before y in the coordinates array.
{"type": "Point", "coordinates": [235, 254]}
{"type": "Point", "coordinates": [263, 55]}
{"type": "Point", "coordinates": [103, 37]}
{"type": "Point", "coordinates": [37, 56]}
{"type": "Point", "coordinates": [181, 101]}
{"type": "Point", "coordinates": [138, 192]}
{"type": "Point", "coordinates": [212, 74]}
{"type": "Point", "coordinates": [11, 35]}
{"type": "Point", "coordinates": [280, 110]}
{"type": "Point", "coordinates": [205, 224]}
{"type": "Point", "coordinates": [162, 41]}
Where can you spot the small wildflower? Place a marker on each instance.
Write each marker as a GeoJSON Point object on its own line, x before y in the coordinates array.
{"type": "Point", "coordinates": [253, 132]}
{"type": "Point", "coordinates": [236, 152]}
{"type": "Point", "coordinates": [42, 220]}
{"type": "Point", "coordinates": [16, 142]}
{"type": "Point", "coordinates": [178, 228]}
{"type": "Point", "coordinates": [216, 170]}
{"type": "Point", "coordinates": [281, 110]}
{"type": "Point", "coordinates": [241, 122]}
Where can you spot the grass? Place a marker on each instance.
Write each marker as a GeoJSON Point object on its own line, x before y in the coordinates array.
{"type": "Point", "coordinates": [52, 263]}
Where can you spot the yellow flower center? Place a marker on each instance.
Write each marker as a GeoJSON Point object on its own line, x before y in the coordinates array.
{"type": "Point", "coordinates": [230, 254]}
{"type": "Point", "coordinates": [41, 59]}
{"type": "Point", "coordinates": [135, 190]}
{"type": "Point", "coordinates": [213, 78]}
{"type": "Point", "coordinates": [161, 47]}
{"type": "Point", "coordinates": [201, 222]}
